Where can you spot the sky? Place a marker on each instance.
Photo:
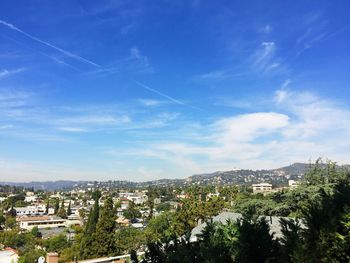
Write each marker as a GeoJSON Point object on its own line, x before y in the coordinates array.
{"type": "Point", "coordinates": [140, 90]}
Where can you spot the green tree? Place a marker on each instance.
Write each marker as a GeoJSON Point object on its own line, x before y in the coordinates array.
{"type": "Point", "coordinates": [57, 205]}
{"type": "Point", "coordinates": [62, 211]}
{"type": "Point", "coordinates": [69, 209]}
{"type": "Point", "coordinates": [35, 232]}
{"type": "Point", "coordinates": [129, 238]}
{"type": "Point", "coordinates": [104, 237]}
{"type": "Point", "coordinates": [47, 206]}
{"type": "Point", "coordinates": [255, 243]}
{"type": "Point", "coordinates": [132, 212]}
{"type": "Point", "coordinates": [57, 243]}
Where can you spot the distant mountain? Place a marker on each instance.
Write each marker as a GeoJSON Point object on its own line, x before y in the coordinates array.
{"type": "Point", "coordinates": [295, 168]}
{"type": "Point", "coordinates": [47, 185]}
{"type": "Point", "coordinates": [278, 176]}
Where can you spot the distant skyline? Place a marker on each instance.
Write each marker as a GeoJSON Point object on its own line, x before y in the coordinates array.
{"type": "Point", "coordinates": [143, 90]}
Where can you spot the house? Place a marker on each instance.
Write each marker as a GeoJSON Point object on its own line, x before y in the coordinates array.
{"type": "Point", "coordinates": [262, 187]}
{"type": "Point", "coordinates": [30, 198]}
{"type": "Point", "coordinates": [293, 184]}
{"type": "Point", "coordinates": [8, 255]}
{"type": "Point", "coordinates": [30, 210]}
{"type": "Point", "coordinates": [138, 198]}
{"type": "Point", "coordinates": [117, 259]}
{"type": "Point", "coordinates": [30, 222]}
{"type": "Point", "coordinates": [123, 221]}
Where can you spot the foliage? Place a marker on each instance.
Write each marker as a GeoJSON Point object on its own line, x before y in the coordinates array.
{"type": "Point", "coordinates": [57, 243]}
{"type": "Point", "coordinates": [104, 238]}
{"type": "Point", "coordinates": [129, 239]}
{"type": "Point", "coordinates": [132, 212]}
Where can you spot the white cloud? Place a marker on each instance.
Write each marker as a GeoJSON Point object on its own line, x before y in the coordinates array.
{"type": "Point", "coordinates": [6, 126]}
{"type": "Point", "coordinates": [264, 53]}
{"type": "Point", "coordinates": [264, 59]}
{"type": "Point", "coordinates": [6, 73]}
{"type": "Point", "coordinates": [266, 29]}
{"type": "Point", "coordinates": [309, 127]}
{"type": "Point", "coordinates": [151, 102]}
{"type": "Point", "coordinates": [72, 129]}
{"type": "Point", "coordinates": [247, 127]}
{"type": "Point", "coordinates": [92, 120]}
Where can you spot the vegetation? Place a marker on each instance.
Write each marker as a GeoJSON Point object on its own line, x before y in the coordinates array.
{"type": "Point", "coordinates": [315, 225]}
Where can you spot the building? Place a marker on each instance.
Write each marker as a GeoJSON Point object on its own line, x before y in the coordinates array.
{"type": "Point", "coordinates": [8, 255]}
{"type": "Point", "coordinates": [31, 198]}
{"type": "Point", "coordinates": [30, 210]}
{"type": "Point", "coordinates": [138, 198]}
{"type": "Point", "coordinates": [41, 222]}
{"type": "Point", "coordinates": [293, 184]}
{"type": "Point", "coordinates": [117, 259]}
{"type": "Point", "coordinates": [262, 187]}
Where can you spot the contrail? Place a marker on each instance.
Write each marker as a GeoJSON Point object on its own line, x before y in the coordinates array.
{"type": "Point", "coordinates": [44, 54]}
{"type": "Point", "coordinates": [65, 52]}
{"type": "Point", "coordinates": [165, 96]}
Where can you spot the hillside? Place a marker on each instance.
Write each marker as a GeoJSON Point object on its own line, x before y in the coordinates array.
{"type": "Point", "coordinates": [278, 176]}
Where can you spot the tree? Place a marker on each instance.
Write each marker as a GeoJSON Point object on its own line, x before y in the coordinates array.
{"type": "Point", "coordinates": [57, 243]}
{"type": "Point", "coordinates": [104, 237]}
{"type": "Point", "coordinates": [291, 240]}
{"type": "Point", "coordinates": [132, 212]}
{"type": "Point", "coordinates": [2, 218]}
{"type": "Point", "coordinates": [133, 257]}
{"type": "Point", "coordinates": [47, 206]}
{"type": "Point", "coordinates": [129, 238]}
{"type": "Point", "coordinates": [62, 212]}
{"type": "Point", "coordinates": [69, 209]}
{"type": "Point", "coordinates": [255, 243]}
{"type": "Point", "coordinates": [35, 232]}
{"type": "Point", "coordinates": [160, 228]}
{"type": "Point", "coordinates": [57, 205]}
{"type": "Point", "coordinates": [10, 222]}
{"type": "Point", "coordinates": [218, 242]}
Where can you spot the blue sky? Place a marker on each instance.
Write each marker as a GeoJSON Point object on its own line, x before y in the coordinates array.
{"type": "Point", "coordinates": [140, 90]}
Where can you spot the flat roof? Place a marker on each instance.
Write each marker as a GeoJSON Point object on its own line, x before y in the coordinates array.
{"type": "Point", "coordinates": [39, 218]}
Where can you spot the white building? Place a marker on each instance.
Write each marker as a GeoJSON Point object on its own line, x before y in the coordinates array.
{"type": "Point", "coordinates": [41, 222]}
{"type": "Point", "coordinates": [30, 210]}
{"type": "Point", "coordinates": [293, 184]}
{"type": "Point", "coordinates": [138, 198]}
{"type": "Point", "coordinates": [262, 187]}
{"type": "Point", "coordinates": [30, 199]}
{"type": "Point", "coordinates": [8, 255]}
{"type": "Point", "coordinates": [2, 199]}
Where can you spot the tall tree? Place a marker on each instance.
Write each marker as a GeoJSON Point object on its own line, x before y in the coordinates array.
{"type": "Point", "coordinates": [62, 211]}
{"type": "Point", "coordinates": [104, 237]}
{"type": "Point", "coordinates": [69, 209]}
{"type": "Point", "coordinates": [57, 205]}
{"type": "Point", "coordinates": [256, 244]}
{"type": "Point", "coordinates": [86, 250]}
{"type": "Point", "coordinates": [47, 206]}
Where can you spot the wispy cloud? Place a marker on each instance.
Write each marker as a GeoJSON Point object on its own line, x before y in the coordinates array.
{"type": "Point", "coordinates": [134, 62]}
{"type": "Point", "coordinates": [151, 102]}
{"type": "Point", "coordinates": [165, 96]}
{"type": "Point", "coordinates": [8, 72]}
{"type": "Point", "coordinates": [300, 127]}
{"type": "Point", "coordinates": [266, 29]}
{"type": "Point", "coordinates": [65, 52]}
{"type": "Point", "coordinates": [263, 57]}
{"type": "Point", "coordinates": [220, 75]}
